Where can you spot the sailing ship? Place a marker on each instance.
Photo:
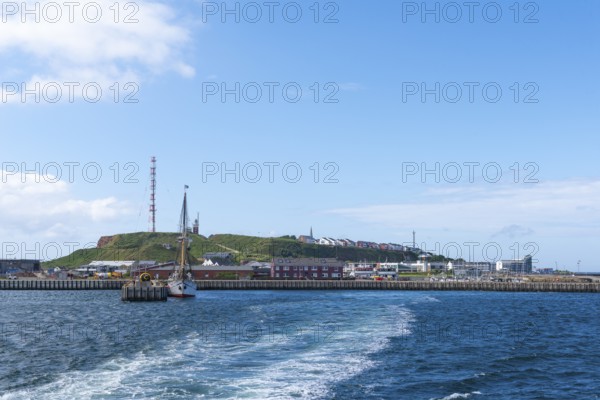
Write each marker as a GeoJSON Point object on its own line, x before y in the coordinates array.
{"type": "Point", "coordinates": [180, 283]}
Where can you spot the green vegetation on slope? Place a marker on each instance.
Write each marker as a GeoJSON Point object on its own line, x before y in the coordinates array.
{"type": "Point", "coordinates": [264, 249]}
{"type": "Point", "coordinates": [162, 247]}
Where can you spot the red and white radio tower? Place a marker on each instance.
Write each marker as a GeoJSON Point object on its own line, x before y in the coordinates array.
{"type": "Point", "coordinates": [153, 194]}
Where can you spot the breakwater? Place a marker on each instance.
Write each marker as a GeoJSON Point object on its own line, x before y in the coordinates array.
{"type": "Point", "coordinates": [318, 285]}
{"type": "Point", "coordinates": [50, 284]}
{"type": "Point", "coordinates": [409, 285]}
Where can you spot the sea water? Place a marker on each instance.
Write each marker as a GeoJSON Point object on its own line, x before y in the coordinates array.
{"type": "Point", "coordinates": [300, 345]}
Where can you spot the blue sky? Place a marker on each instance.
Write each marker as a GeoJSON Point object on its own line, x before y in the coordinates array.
{"type": "Point", "coordinates": [368, 61]}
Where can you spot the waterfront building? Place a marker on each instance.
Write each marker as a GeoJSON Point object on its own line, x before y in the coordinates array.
{"type": "Point", "coordinates": [8, 266]}
{"type": "Point", "coordinates": [306, 268]}
{"type": "Point", "coordinates": [391, 270]}
{"type": "Point", "coordinates": [522, 266]}
{"type": "Point", "coordinates": [109, 266]}
{"type": "Point", "coordinates": [359, 270]}
{"type": "Point", "coordinates": [387, 270]}
{"type": "Point", "coordinates": [470, 268]}
{"type": "Point", "coordinates": [223, 272]}
{"type": "Point", "coordinates": [261, 270]}
{"type": "Point", "coordinates": [399, 267]}
{"type": "Point", "coordinates": [200, 272]}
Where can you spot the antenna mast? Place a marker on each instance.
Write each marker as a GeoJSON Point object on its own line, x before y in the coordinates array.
{"type": "Point", "coordinates": [153, 194]}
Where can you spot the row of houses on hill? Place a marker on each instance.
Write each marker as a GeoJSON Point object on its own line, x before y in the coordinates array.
{"type": "Point", "coordinates": [327, 241]}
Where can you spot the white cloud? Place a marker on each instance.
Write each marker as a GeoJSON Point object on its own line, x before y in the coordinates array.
{"type": "Point", "coordinates": [549, 208]}
{"type": "Point", "coordinates": [104, 52]}
{"type": "Point", "coordinates": [556, 221]}
{"type": "Point", "coordinates": [39, 211]}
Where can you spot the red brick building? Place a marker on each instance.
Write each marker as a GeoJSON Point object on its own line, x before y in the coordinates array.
{"type": "Point", "coordinates": [306, 268]}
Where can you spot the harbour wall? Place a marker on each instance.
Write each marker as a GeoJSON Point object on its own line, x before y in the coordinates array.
{"type": "Point", "coordinates": [51, 284]}
{"type": "Point", "coordinates": [410, 285]}
{"type": "Point", "coordinates": [317, 285]}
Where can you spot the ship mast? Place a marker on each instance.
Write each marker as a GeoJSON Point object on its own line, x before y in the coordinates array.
{"type": "Point", "coordinates": [183, 227]}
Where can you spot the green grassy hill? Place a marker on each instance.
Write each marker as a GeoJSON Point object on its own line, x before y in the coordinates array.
{"type": "Point", "coordinates": [155, 246]}
{"type": "Point", "coordinates": [161, 247]}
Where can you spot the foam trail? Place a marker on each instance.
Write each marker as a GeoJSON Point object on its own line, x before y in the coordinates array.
{"type": "Point", "coordinates": [329, 363]}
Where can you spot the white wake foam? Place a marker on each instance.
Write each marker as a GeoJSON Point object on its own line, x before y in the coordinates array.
{"type": "Point", "coordinates": [192, 367]}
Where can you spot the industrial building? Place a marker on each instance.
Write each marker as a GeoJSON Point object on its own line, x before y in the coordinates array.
{"type": "Point", "coordinates": [19, 266]}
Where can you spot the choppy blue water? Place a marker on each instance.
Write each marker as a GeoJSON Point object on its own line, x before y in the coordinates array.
{"type": "Point", "coordinates": [305, 345]}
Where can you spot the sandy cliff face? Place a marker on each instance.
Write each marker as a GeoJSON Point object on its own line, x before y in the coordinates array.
{"type": "Point", "coordinates": [103, 241]}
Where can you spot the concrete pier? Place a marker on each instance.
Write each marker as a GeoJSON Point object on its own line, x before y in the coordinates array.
{"type": "Point", "coordinates": [318, 285]}
{"type": "Point", "coordinates": [150, 293]}
{"type": "Point", "coordinates": [143, 288]}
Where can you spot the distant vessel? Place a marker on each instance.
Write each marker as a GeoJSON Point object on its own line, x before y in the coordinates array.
{"type": "Point", "coordinates": [180, 282]}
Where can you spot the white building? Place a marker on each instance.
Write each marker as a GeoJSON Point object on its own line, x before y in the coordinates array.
{"type": "Point", "coordinates": [522, 266]}
{"type": "Point", "coordinates": [115, 264]}
{"type": "Point", "coordinates": [399, 267]}
{"type": "Point", "coordinates": [471, 268]}
{"type": "Point", "coordinates": [326, 241]}
{"type": "Point", "coordinates": [362, 270]}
